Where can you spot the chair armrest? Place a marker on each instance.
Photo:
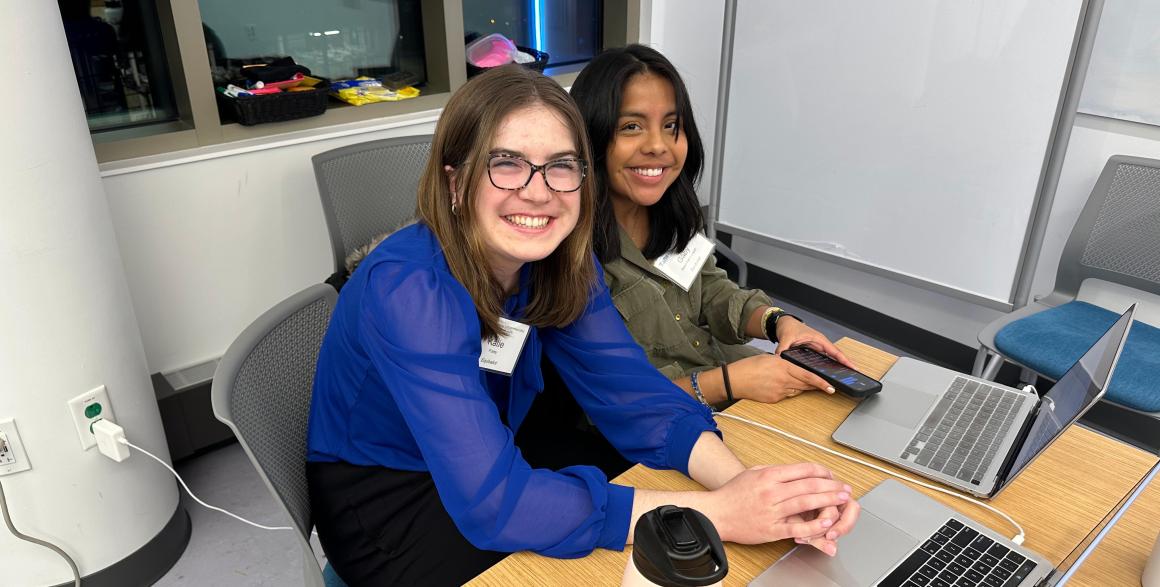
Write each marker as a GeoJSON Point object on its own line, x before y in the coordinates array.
{"type": "Point", "coordinates": [742, 268]}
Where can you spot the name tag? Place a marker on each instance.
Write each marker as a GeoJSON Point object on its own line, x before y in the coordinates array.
{"type": "Point", "coordinates": [682, 268]}
{"type": "Point", "coordinates": [499, 355]}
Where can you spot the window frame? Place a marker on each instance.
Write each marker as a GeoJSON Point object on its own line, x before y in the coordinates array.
{"type": "Point", "coordinates": [199, 124]}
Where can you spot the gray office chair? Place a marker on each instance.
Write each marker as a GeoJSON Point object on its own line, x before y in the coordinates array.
{"type": "Point", "coordinates": [368, 189]}
{"type": "Point", "coordinates": [1112, 256]}
{"type": "Point", "coordinates": [261, 390]}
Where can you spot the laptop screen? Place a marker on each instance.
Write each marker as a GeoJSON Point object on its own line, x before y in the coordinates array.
{"type": "Point", "coordinates": [1073, 394]}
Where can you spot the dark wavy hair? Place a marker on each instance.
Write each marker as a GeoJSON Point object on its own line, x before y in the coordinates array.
{"type": "Point", "coordinates": [598, 92]}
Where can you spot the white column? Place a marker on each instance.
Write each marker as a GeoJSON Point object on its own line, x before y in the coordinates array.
{"type": "Point", "coordinates": [66, 324]}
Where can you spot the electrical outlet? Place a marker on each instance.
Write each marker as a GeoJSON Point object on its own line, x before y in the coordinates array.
{"type": "Point", "coordinates": [86, 409]}
{"type": "Point", "coordinates": [12, 457]}
{"type": "Point", "coordinates": [6, 457]}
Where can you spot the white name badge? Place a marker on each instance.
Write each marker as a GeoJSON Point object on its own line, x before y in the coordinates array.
{"type": "Point", "coordinates": [500, 354]}
{"type": "Point", "coordinates": [682, 268]}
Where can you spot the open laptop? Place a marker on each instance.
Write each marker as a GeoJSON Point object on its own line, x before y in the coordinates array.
{"type": "Point", "coordinates": [970, 433]}
{"type": "Point", "coordinates": [904, 538]}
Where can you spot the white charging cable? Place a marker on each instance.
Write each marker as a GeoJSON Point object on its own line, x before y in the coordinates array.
{"type": "Point", "coordinates": [109, 435]}
{"type": "Point", "coordinates": [1017, 539]}
{"type": "Point", "coordinates": [195, 498]}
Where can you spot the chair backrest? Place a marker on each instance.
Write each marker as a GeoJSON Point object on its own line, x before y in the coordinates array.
{"type": "Point", "coordinates": [724, 250]}
{"type": "Point", "coordinates": [368, 189]}
{"type": "Point", "coordinates": [262, 389]}
{"type": "Point", "coordinates": [1117, 235]}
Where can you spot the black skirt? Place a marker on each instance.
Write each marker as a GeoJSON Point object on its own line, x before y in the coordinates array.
{"type": "Point", "coordinates": [381, 526]}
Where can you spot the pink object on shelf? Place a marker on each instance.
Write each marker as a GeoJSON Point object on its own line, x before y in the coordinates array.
{"type": "Point", "coordinates": [491, 51]}
{"type": "Point", "coordinates": [290, 83]}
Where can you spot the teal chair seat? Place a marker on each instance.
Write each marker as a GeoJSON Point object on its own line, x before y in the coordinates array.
{"type": "Point", "coordinates": [331, 578]}
{"type": "Point", "coordinates": [1051, 341]}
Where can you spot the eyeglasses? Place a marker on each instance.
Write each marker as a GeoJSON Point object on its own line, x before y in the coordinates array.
{"type": "Point", "coordinates": [508, 172]}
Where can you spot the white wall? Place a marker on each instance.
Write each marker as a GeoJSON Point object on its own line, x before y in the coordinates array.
{"type": "Point", "coordinates": [1124, 78]}
{"type": "Point", "coordinates": [689, 33]}
{"type": "Point", "coordinates": [210, 244]}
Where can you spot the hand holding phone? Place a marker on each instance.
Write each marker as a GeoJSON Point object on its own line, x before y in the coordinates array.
{"type": "Point", "coordinates": [843, 378]}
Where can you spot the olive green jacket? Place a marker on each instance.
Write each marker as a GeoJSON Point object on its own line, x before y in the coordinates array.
{"type": "Point", "coordinates": [682, 332]}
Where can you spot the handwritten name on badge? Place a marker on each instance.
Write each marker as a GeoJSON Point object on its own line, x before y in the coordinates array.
{"type": "Point", "coordinates": [500, 354]}
{"type": "Point", "coordinates": [682, 268]}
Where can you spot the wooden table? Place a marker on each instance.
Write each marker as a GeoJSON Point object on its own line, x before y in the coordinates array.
{"type": "Point", "coordinates": [1058, 499]}
{"type": "Point", "coordinates": [1120, 558]}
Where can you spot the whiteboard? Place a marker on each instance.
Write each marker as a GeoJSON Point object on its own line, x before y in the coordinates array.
{"type": "Point", "coordinates": [1123, 78]}
{"type": "Point", "coordinates": [907, 137]}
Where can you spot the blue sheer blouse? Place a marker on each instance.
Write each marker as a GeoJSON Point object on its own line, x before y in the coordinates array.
{"type": "Point", "coordinates": [399, 385]}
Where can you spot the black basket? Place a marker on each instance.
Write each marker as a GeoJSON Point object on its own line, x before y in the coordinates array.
{"type": "Point", "coordinates": [539, 64]}
{"type": "Point", "coordinates": [251, 110]}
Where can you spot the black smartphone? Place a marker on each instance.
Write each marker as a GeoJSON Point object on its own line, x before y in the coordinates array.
{"type": "Point", "coordinates": [843, 378]}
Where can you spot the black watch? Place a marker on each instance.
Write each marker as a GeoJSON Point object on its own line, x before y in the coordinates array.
{"type": "Point", "coordinates": [769, 324]}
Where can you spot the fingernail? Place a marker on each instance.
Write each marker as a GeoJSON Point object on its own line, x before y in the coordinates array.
{"type": "Point", "coordinates": [830, 389]}
{"type": "Point", "coordinates": [831, 536]}
{"type": "Point", "coordinates": [847, 488]}
{"type": "Point", "coordinates": [826, 523]}
{"type": "Point", "coordinates": [843, 496]}
{"type": "Point", "coordinates": [831, 549]}
{"type": "Point", "coordinates": [799, 541]}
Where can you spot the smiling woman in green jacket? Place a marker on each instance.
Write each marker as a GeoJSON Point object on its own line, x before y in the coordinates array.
{"type": "Point", "coordinates": [691, 320]}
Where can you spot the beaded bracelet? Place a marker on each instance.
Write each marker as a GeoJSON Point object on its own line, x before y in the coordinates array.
{"type": "Point", "coordinates": [697, 389]}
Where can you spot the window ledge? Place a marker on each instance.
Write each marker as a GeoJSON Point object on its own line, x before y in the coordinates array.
{"type": "Point", "coordinates": [327, 126]}
{"type": "Point", "coordinates": [164, 150]}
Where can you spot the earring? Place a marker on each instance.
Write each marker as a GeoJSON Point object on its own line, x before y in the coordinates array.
{"type": "Point", "coordinates": [454, 207]}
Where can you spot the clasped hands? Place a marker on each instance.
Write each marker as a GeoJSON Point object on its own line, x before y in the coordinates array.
{"type": "Point", "coordinates": [773, 502]}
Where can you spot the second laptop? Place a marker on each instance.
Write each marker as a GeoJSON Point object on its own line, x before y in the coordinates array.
{"type": "Point", "coordinates": [970, 433]}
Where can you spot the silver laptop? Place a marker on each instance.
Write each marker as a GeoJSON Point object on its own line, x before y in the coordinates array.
{"type": "Point", "coordinates": [970, 433]}
{"type": "Point", "coordinates": [904, 538]}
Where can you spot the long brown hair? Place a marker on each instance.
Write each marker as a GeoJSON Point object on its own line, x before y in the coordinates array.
{"type": "Point", "coordinates": [464, 137]}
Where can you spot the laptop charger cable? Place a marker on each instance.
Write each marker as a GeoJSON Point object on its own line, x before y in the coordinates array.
{"type": "Point", "coordinates": [112, 443]}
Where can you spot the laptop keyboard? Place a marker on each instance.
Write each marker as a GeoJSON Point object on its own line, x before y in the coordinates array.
{"type": "Point", "coordinates": [961, 436]}
{"type": "Point", "coordinates": [957, 555]}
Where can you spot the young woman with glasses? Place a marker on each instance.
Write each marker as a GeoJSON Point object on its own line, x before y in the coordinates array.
{"type": "Point", "coordinates": [432, 360]}
{"type": "Point", "coordinates": [647, 156]}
